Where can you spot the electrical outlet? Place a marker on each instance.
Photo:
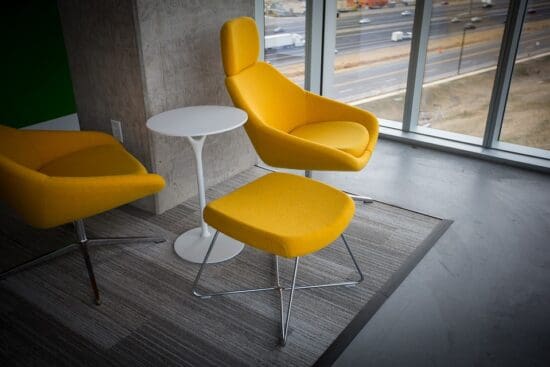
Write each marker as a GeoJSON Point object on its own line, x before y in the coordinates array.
{"type": "Point", "coordinates": [116, 126]}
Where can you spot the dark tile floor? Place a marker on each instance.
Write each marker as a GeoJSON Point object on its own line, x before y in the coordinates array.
{"type": "Point", "coordinates": [481, 296]}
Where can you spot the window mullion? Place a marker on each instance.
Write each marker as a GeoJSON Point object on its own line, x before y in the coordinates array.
{"type": "Point", "coordinates": [259, 16]}
{"type": "Point", "coordinates": [314, 45]}
{"type": "Point", "coordinates": [505, 67]}
{"type": "Point", "coordinates": [417, 62]}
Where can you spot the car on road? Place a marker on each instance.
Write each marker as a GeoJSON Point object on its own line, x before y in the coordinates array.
{"type": "Point", "coordinates": [400, 36]}
{"type": "Point", "coordinates": [531, 11]}
{"type": "Point", "coordinates": [406, 13]}
{"type": "Point", "coordinates": [455, 20]}
{"type": "Point", "coordinates": [278, 30]}
{"type": "Point", "coordinates": [444, 3]}
{"type": "Point", "coordinates": [475, 19]}
{"type": "Point", "coordinates": [283, 40]}
{"type": "Point", "coordinates": [364, 21]}
{"type": "Point", "coordinates": [469, 26]}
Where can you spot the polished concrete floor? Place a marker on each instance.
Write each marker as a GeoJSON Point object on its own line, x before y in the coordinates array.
{"type": "Point", "coordinates": [481, 296]}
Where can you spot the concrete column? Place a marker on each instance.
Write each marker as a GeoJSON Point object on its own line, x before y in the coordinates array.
{"type": "Point", "coordinates": [180, 47]}
{"type": "Point", "coordinates": [132, 59]}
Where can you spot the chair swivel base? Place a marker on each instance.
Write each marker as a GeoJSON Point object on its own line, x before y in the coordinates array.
{"type": "Point", "coordinates": [285, 320]}
{"type": "Point", "coordinates": [83, 243]}
{"type": "Point", "coordinates": [364, 199]}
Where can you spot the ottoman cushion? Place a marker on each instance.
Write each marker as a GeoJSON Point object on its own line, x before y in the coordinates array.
{"type": "Point", "coordinates": [283, 214]}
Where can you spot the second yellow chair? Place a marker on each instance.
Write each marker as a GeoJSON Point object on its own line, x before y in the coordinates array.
{"type": "Point", "coordinates": [51, 178]}
{"type": "Point", "coordinates": [289, 126]}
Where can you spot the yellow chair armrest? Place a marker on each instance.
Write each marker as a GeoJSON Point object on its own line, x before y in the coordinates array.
{"type": "Point", "coordinates": [280, 149]}
{"type": "Point", "coordinates": [45, 202]}
{"type": "Point", "coordinates": [325, 109]}
{"type": "Point", "coordinates": [21, 188]}
{"type": "Point", "coordinates": [66, 199]}
{"type": "Point", "coordinates": [50, 145]}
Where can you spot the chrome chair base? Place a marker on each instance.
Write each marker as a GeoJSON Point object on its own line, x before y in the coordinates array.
{"type": "Point", "coordinates": [364, 199]}
{"type": "Point", "coordinates": [285, 319]}
{"type": "Point", "coordinates": [83, 243]}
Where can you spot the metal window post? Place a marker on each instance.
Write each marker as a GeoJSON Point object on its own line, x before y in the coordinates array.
{"type": "Point", "coordinates": [314, 45]}
{"type": "Point", "coordinates": [329, 46]}
{"type": "Point", "coordinates": [259, 16]}
{"type": "Point", "coordinates": [417, 63]}
{"type": "Point", "coordinates": [503, 76]}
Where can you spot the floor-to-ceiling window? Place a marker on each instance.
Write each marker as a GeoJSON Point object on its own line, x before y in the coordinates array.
{"type": "Point", "coordinates": [372, 50]}
{"type": "Point", "coordinates": [527, 117]}
{"type": "Point", "coordinates": [285, 37]}
{"type": "Point", "coordinates": [440, 69]}
{"type": "Point", "coordinates": [463, 49]}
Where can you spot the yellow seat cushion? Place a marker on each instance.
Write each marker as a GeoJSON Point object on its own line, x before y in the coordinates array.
{"type": "Point", "coordinates": [282, 214]}
{"type": "Point", "coordinates": [102, 160]}
{"type": "Point", "coordinates": [350, 137]}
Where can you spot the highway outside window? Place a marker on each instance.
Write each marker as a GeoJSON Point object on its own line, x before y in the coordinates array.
{"type": "Point", "coordinates": [527, 116]}
{"type": "Point", "coordinates": [369, 64]}
{"type": "Point", "coordinates": [285, 35]}
{"type": "Point", "coordinates": [463, 50]}
{"type": "Point", "coordinates": [371, 56]}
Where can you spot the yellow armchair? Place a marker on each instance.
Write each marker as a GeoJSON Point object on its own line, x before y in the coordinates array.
{"type": "Point", "coordinates": [288, 126]}
{"type": "Point", "coordinates": [55, 177]}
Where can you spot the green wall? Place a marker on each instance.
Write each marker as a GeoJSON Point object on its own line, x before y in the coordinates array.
{"type": "Point", "coordinates": [36, 84]}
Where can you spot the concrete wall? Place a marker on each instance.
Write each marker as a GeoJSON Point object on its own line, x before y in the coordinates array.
{"type": "Point", "coordinates": [132, 59]}
{"type": "Point", "coordinates": [181, 58]}
{"type": "Point", "coordinates": [105, 69]}
{"type": "Point", "coordinates": [103, 55]}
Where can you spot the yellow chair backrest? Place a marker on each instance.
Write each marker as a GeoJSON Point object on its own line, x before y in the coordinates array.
{"type": "Point", "coordinates": [14, 146]}
{"type": "Point", "coordinates": [255, 86]}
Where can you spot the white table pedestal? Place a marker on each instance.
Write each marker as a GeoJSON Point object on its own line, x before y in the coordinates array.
{"type": "Point", "coordinates": [196, 123]}
{"type": "Point", "coordinates": [191, 246]}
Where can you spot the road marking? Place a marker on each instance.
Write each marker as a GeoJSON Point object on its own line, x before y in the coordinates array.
{"type": "Point", "coordinates": [467, 58]}
{"type": "Point", "coordinates": [440, 81]}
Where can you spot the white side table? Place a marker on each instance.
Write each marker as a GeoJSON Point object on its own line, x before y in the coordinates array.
{"type": "Point", "coordinates": [196, 123]}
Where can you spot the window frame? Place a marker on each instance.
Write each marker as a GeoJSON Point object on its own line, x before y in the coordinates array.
{"type": "Point", "coordinates": [320, 43]}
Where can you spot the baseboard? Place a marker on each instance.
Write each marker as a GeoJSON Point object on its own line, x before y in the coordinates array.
{"type": "Point", "coordinates": [68, 122]}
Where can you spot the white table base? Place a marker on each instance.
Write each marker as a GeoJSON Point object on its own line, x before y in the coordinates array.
{"type": "Point", "coordinates": [196, 123]}
{"type": "Point", "coordinates": [191, 246]}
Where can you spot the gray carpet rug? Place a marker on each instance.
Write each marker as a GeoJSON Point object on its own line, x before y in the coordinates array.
{"type": "Point", "coordinates": [149, 317]}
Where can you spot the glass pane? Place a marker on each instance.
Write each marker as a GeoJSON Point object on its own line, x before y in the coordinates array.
{"type": "Point", "coordinates": [527, 116]}
{"type": "Point", "coordinates": [285, 28]}
{"type": "Point", "coordinates": [463, 49]}
{"type": "Point", "coordinates": [371, 57]}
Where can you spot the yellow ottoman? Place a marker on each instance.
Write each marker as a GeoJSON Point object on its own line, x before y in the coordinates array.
{"type": "Point", "coordinates": [285, 215]}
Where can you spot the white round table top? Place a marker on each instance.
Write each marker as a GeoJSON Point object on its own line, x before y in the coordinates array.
{"type": "Point", "coordinates": [197, 120]}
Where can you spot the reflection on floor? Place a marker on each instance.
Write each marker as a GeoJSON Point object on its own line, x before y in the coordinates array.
{"type": "Point", "coordinates": [481, 296]}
